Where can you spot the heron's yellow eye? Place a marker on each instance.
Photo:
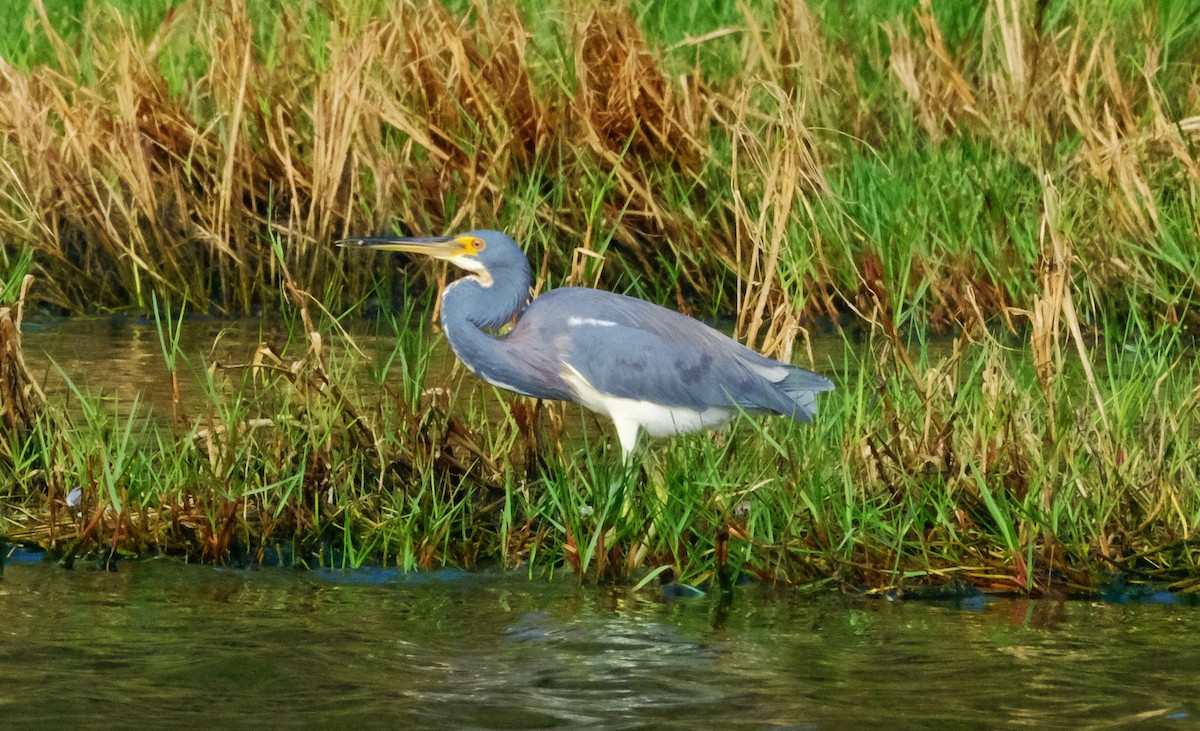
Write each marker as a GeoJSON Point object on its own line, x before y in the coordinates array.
{"type": "Point", "coordinates": [471, 245]}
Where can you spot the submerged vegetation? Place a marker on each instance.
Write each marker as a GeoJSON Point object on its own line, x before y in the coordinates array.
{"type": "Point", "coordinates": [994, 206]}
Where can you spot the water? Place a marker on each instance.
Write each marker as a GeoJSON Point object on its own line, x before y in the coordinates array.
{"type": "Point", "coordinates": [159, 644]}
{"type": "Point", "coordinates": [120, 359]}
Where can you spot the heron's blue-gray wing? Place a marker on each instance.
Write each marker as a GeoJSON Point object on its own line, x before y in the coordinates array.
{"type": "Point", "coordinates": [631, 363]}
{"type": "Point", "coordinates": [633, 349]}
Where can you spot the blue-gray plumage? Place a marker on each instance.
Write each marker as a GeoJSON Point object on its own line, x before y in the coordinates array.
{"type": "Point", "coordinates": [644, 366]}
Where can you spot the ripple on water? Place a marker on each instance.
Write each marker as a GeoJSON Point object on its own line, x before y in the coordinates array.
{"type": "Point", "coordinates": [192, 645]}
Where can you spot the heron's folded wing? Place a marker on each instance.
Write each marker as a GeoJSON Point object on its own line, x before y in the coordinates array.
{"type": "Point", "coordinates": [632, 363]}
{"type": "Point", "coordinates": [633, 349]}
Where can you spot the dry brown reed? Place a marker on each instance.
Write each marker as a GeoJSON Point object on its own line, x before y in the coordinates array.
{"type": "Point", "coordinates": [127, 179]}
{"type": "Point", "coordinates": [21, 398]}
{"type": "Point", "coordinates": [776, 180]}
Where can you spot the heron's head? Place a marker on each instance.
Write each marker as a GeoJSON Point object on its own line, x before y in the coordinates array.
{"type": "Point", "coordinates": [483, 253]}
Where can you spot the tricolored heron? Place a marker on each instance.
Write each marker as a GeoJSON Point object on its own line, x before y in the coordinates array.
{"type": "Point", "coordinates": [641, 365]}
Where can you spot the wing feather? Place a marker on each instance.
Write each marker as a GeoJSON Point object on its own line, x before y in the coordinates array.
{"type": "Point", "coordinates": [633, 349]}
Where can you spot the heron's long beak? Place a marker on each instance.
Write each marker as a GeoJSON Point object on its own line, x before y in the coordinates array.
{"type": "Point", "coordinates": [439, 247]}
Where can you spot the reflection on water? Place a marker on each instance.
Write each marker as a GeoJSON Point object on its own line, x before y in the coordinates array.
{"type": "Point", "coordinates": [121, 360]}
{"type": "Point", "coordinates": [192, 645]}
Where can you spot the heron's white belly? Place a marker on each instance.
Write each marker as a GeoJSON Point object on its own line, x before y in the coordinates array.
{"type": "Point", "coordinates": [661, 421]}
{"type": "Point", "coordinates": [658, 420]}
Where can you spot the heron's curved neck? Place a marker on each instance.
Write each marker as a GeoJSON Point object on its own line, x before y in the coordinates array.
{"type": "Point", "coordinates": [473, 309]}
{"type": "Point", "coordinates": [484, 304]}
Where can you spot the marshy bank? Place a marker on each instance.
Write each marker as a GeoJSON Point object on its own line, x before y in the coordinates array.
{"type": "Point", "coordinates": [939, 462]}
{"type": "Point", "coordinates": [980, 222]}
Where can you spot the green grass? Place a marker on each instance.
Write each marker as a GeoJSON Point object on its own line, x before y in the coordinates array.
{"type": "Point", "coordinates": [963, 468]}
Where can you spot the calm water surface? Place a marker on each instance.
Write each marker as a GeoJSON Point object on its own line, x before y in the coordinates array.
{"type": "Point", "coordinates": [159, 644]}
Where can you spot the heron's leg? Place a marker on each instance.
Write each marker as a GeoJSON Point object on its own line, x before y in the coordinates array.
{"type": "Point", "coordinates": [635, 476]}
{"type": "Point", "coordinates": [627, 433]}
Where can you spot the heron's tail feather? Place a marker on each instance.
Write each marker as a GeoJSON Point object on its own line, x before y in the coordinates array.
{"type": "Point", "coordinates": [801, 388]}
